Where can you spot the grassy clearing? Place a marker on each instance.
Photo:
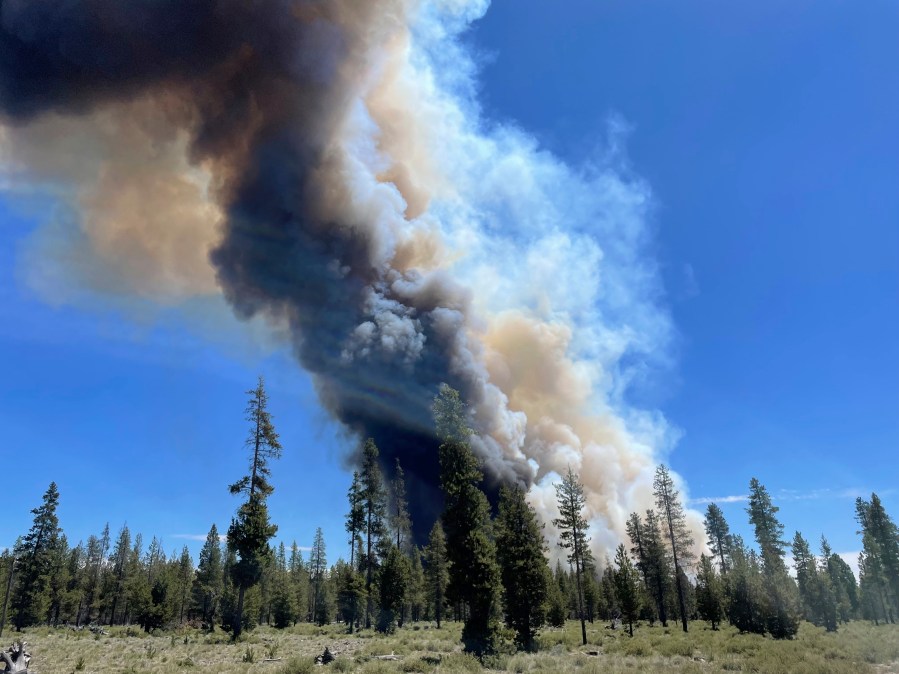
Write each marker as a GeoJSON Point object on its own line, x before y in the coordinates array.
{"type": "Point", "coordinates": [858, 648]}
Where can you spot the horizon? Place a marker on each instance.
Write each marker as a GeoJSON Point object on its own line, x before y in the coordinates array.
{"type": "Point", "coordinates": [749, 215]}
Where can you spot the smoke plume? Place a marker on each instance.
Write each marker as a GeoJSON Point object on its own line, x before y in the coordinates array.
{"type": "Point", "coordinates": [324, 162]}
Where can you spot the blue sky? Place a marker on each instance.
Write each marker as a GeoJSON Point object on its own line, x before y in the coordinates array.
{"type": "Point", "coordinates": [767, 133]}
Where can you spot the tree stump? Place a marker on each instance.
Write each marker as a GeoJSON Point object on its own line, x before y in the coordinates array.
{"type": "Point", "coordinates": [16, 658]}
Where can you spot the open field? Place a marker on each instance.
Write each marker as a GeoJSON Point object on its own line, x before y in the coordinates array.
{"type": "Point", "coordinates": [857, 648]}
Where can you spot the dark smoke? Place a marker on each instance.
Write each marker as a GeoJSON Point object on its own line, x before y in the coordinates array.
{"type": "Point", "coordinates": [263, 87]}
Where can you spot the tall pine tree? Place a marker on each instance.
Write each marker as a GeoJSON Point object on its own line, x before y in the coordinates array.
{"type": "Point", "coordinates": [573, 536]}
{"type": "Point", "coordinates": [474, 574]}
{"type": "Point", "coordinates": [34, 555]}
{"type": "Point", "coordinates": [523, 568]}
{"type": "Point", "coordinates": [674, 524]}
{"type": "Point", "coordinates": [781, 612]}
{"type": "Point", "coordinates": [251, 530]}
{"type": "Point", "coordinates": [436, 573]}
{"type": "Point", "coordinates": [374, 504]}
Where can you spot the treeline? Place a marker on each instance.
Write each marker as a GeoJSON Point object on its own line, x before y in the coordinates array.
{"type": "Point", "coordinates": [491, 572]}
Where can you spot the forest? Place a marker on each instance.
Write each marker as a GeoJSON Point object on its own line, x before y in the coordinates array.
{"type": "Point", "coordinates": [483, 568]}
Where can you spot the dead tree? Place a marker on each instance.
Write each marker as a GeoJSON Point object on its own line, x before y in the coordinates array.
{"type": "Point", "coordinates": [16, 658]}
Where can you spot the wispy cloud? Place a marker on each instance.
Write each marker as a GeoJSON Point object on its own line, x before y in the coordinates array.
{"type": "Point", "coordinates": [197, 537]}
{"type": "Point", "coordinates": [702, 500]}
{"type": "Point", "coordinates": [850, 493]}
{"type": "Point", "coordinates": [827, 493]}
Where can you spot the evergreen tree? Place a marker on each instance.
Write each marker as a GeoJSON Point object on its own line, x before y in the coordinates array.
{"type": "Point", "coordinates": [709, 592]}
{"type": "Point", "coordinates": [880, 549]}
{"type": "Point", "coordinates": [207, 586]}
{"type": "Point", "coordinates": [58, 580]}
{"type": "Point", "coordinates": [283, 604]}
{"type": "Point", "coordinates": [626, 588]}
{"type": "Point", "coordinates": [400, 521]}
{"type": "Point", "coordinates": [815, 588]}
{"type": "Point", "coordinates": [393, 585]}
{"type": "Point", "coordinates": [34, 555]}
{"type": "Point", "coordinates": [7, 576]}
{"type": "Point", "coordinates": [355, 518]}
{"type": "Point", "coordinates": [520, 553]}
{"type": "Point", "coordinates": [436, 573]}
{"type": "Point", "coordinates": [183, 579]}
{"type": "Point", "coordinates": [318, 568]}
{"type": "Point", "coordinates": [474, 575]}
{"type": "Point", "coordinates": [416, 598]}
{"type": "Point", "coordinates": [842, 579]}
{"type": "Point", "coordinates": [591, 591]}
{"type": "Point", "coordinates": [251, 530]}
{"type": "Point", "coordinates": [556, 604]}
{"type": "Point", "coordinates": [674, 524]}
{"type": "Point", "coordinates": [299, 582]}
{"type": "Point", "coordinates": [607, 592]}
{"type": "Point", "coordinates": [744, 593]}
{"type": "Point", "coordinates": [90, 577]}
{"type": "Point", "coordinates": [782, 601]}
{"type": "Point", "coordinates": [652, 560]}
{"type": "Point", "coordinates": [718, 535]}
{"type": "Point", "coordinates": [572, 527]}
{"type": "Point", "coordinates": [119, 575]}
{"type": "Point", "coordinates": [350, 594]}
{"type": "Point", "coordinates": [374, 502]}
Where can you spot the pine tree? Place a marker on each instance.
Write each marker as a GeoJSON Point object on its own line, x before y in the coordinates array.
{"type": "Point", "coordinates": [572, 527]}
{"type": "Point", "coordinates": [374, 502]}
{"type": "Point", "coordinates": [718, 535]}
{"type": "Point", "coordinates": [34, 554]}
{"type": "Point", "coordinates": [318, 568]}
{"type": "Point", "coordinates": [652, 560]}
{"type": "Point", "coordinates": [90, 577]}
{"type": "Point", "coordinates": [744, 593]}
{"type": "Point", "coordinates": [183, 577]}
{"type": "Point", "coordinates": [283, 604]}
{"type": "Point", "coordinates": [556, 606]}
{"type": "Point", "coordinates": [355, 518]}
{"type": "Point", "coordinates": [299, 581]}
{"type": "Point", "coordinates": [400, 521]}
{"type": "Point", "coordinates": [355, 526]}
{"type": "Point", "coordinates": [591, 591]}
{"type": "Point", "coordinates": [393, 586]}
{"type": "Point", "coordinates": [815, 589]}
{"type": "Point", "coordinates": [674, 524]}
{"type": "Point", "coordinates": [119, 575]}
{"type": "Point", "coordinates": [350, 593]}
{"type": "Point", "coordinates": [7, 576]}
{"type": "Point", "coordinates": [520, 553]}
{"type": "Point", "coordinates": [626, 588]}
{"type": "Point", "coordinates": [782, 606]}
{"type": "Point", "coordinates": [58, 580]}
{"type": "Point", "coordinates": [416, 598]}
{"type": "Point", "coordinates": [709, 592]}
{"type": "Point", "coordinates": [881, 544]}
{"type": "Point", "coordinates": [843, 581]}
{"type": "Point", "coordinates": [436, 573]}
{"type": "Point", "coordinates": [251, 530]}
{"type": "Point", "coordinates": [474, 574]}
{"type": "Point", "coordinates": [207, 586]}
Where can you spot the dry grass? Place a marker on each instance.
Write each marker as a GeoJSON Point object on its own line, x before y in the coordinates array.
{"type": "Point", "coordinates": [858, 648]}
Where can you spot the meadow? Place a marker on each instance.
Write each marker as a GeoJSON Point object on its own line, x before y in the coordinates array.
{"type": "Point", "coordinates": [857, 648]}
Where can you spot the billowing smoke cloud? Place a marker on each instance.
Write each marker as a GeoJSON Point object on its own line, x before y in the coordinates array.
{"type": "Point", "coordinates": [324, 163]}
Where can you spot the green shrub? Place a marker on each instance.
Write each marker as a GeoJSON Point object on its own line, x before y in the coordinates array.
{"type": "Point", "coordinates": [298, 666]}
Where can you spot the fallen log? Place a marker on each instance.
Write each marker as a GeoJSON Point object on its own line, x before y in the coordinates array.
{"type": "Point", "coordinates": [387, 657]}
{"type": "Point", "coordinates": [16, 658]}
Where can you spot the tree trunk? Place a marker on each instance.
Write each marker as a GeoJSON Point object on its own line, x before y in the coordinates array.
{"type": "Point", "coordinates": [238, 614]}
